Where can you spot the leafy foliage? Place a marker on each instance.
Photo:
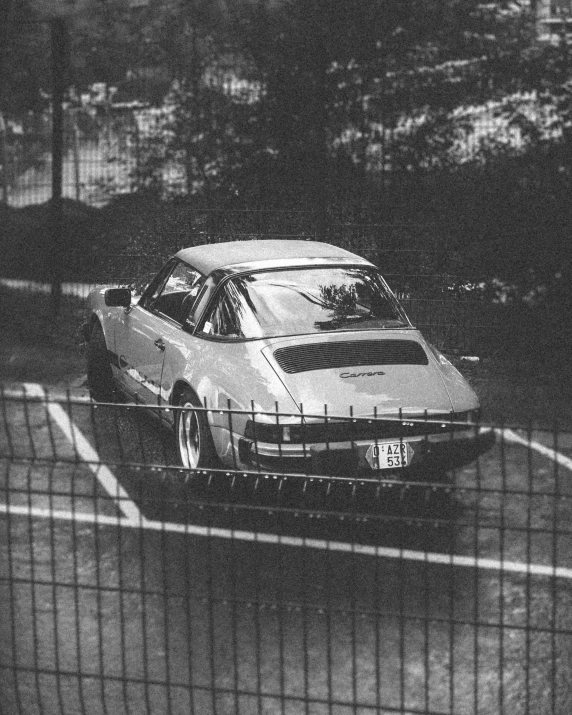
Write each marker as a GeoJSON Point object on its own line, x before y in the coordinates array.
{"type": "Point", "coordinates": [356, 110]}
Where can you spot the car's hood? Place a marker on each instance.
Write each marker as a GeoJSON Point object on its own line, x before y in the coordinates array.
{"type": "Point", "coordinates": [367, 389]}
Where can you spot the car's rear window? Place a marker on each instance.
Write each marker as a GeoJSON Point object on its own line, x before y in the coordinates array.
{"type": "Point", "coordinates": [301, 301]}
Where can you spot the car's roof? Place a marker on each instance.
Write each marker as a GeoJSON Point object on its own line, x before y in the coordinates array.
{"type": "Point", "coordinates": [264, 253]}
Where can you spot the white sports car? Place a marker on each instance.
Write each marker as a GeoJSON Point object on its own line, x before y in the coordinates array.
{"type": "Point", "coordinates": [302, 355]}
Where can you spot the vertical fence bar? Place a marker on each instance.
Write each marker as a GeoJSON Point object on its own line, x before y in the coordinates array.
{"type": "Point", "coordinates": [476, 581]}
{"type": "Point", "coordinates": [256, 548]}
{"type": "Point", "coordinates": [280, 603]}
{"type": "Point", "coordinates": [12, 598]}
{"type": "Point", "coordinates": [188, 601]}
{"type": "Point", "coordinates": [211, 616]}
{"type": "Point", "coordinates": [280, 437]}
{"type": "Point", "coordinates": [165, 514]}
{"type": "Point", "coordinates": [144, 619]}
{"type": "Point", "coordinates": [303, 433]}
{"type": "Point", "coordinates": [10, 455]}
{"type": "Point", "coordinates": [54, 577]}
{"type": "Point", "coordinates": [328, 618]}
{"type": "Point", "coordinates": [99, 604]}
{"type": "Point", "coordinates": [451, 602]}
{"type": "Point", "coordinates": [376, 605]}
{"type": "Point", "coordinates": [304, 605]}
{"type": "Point", "coordinates": [49, 425]}
{"type": "Point", "coordinates": [528, 587]}
{"type": "Point", "coordinates": [352, 601]}
{"type": "Point", "coordinates": [69, 405]}
{"type": "Point", "coordinates": [401, 591]}
{"type": "Point", "coordinates": [76, 598]}
{"type": "Point", "coordinates": [234, 614]}
{"type": "Point", "coordinates": [502, 534]}
{"type": "Point", "coordinates": [553, 580]}
{"type": "Point", "coordinates": [33, 593]}
{"type": "Point", "coordinates": [29, 431]}
{"type": "Point", "coordinates": [231, 433]}
{"type": "Point", "coordinates": [122, 616]}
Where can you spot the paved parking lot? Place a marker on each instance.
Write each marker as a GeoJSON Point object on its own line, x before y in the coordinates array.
{"type": "Point", "coordinates": [269, 595]}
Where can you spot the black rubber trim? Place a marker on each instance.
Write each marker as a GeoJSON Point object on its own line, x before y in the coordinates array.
{"type": "Point", "coordinates": [113, 358]}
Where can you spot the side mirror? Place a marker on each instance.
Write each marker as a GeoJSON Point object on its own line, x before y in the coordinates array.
{"type": "Point", "coordinates": [118, 297]}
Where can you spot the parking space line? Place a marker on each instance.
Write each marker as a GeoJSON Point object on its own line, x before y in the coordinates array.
{"type": "Point", "coordinates": [88, 454]}
{"type": "Point", "coordinates": [133, 518]}
{"type": "Point", "coordinates": [66, 515]}
{"type": "Point", "coordinates": [384, 552]}
{"type": "Point", "coordinates": [509, 435]}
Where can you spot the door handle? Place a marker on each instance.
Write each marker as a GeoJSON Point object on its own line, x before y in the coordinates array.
{"type": "Point", "coordinates": [159, 344]}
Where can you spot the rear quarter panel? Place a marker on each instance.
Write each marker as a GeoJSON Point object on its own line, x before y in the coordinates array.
{"type": "Point", "coordinates": [461, 394]}
{"type": "Point", "coordinates": [225, 375]}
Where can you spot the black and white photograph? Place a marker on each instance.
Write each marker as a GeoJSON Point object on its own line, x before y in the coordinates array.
{"type": "Point", "coordinates": [285, 357]}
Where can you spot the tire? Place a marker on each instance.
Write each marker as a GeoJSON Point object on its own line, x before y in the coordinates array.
{"type": "Point", "coordinates": [99, 375]}
{"type": "Point", "coordinates": [195, 446]}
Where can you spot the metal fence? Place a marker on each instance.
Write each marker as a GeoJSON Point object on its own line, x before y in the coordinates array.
{"type": "Point", "coordinates": [131, 585]}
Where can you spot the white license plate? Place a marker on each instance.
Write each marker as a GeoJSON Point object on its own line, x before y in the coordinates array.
{"type": "Point", "coordinates": [389, 455]}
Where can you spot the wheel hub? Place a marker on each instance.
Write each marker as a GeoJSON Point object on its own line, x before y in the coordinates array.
{"type": "Point", "coordinates": [189, 437]}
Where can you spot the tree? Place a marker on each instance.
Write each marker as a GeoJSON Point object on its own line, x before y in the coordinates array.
{"type": "Point", "coordinates": [24, 45]}
{"type": "Point", "coordinates": [371, 83]}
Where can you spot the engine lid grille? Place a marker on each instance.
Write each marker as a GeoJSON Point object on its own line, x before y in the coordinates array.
{"type": "Point", "coordinates": [354, 353]}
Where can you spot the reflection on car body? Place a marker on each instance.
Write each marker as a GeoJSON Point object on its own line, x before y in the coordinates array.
{"type": "Point", "coordinates": [307, 347]}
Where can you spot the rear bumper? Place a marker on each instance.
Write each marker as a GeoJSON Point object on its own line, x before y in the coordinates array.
{"type": "Point", "coordinates": [431, 453]}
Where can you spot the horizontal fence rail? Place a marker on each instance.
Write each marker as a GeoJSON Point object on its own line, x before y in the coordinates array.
{"type": "Point", "coordinates": [130, 583]}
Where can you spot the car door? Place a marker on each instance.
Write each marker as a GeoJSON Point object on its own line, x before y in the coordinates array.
{"type": "Point", "coordinates": [142, 338]}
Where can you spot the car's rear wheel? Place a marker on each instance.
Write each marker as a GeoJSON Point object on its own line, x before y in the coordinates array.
{"type": "Point", "coordinates": [99, 375]}
{"type": "Point", "coordinates": [195, 444]}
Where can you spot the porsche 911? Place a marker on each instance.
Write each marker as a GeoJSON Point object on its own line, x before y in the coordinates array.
{"type": "Point", "coordinates": [287, 356]}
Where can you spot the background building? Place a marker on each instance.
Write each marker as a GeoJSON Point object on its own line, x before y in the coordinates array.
{"type": "Point", "coordinates": [554, 17]}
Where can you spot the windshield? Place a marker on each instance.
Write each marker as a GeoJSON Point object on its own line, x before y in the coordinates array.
{"type": "Point", "coordinates": [300, 301]}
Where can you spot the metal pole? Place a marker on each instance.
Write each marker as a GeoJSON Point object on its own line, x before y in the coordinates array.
{"type": "Point", "coordinates": [58, 87]}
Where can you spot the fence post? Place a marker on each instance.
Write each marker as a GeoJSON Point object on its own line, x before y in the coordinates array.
{"type": "Point", "coordinates": [59, 45]}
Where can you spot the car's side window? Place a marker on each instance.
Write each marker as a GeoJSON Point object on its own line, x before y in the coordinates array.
{"type": "Point", "coordinates": [156, 285]}
{"type": "Point", "coordinates": [222, 319]}
{"type": "Point", "coordinates": [175, 296]}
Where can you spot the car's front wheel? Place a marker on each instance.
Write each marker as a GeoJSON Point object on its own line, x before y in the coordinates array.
{"type": "Point", "coordinates": [195, 444]}
{"type": "Point", "coordinates": [99, 376]}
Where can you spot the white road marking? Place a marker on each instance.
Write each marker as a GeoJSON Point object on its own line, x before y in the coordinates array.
{"type": "Point", "coordinates": [134, 519]}
{"type": "Point", "coordinates": [386, 552]}
{"type": "Point", "coordinates": [510, 436]}
{"type": "Point", "coordinates": [84, 449]}
{"type": "Point", "coordinates": [66, 515]}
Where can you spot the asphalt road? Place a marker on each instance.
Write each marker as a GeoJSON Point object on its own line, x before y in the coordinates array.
{"type": "Point", "coordinates": [147, 590]}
